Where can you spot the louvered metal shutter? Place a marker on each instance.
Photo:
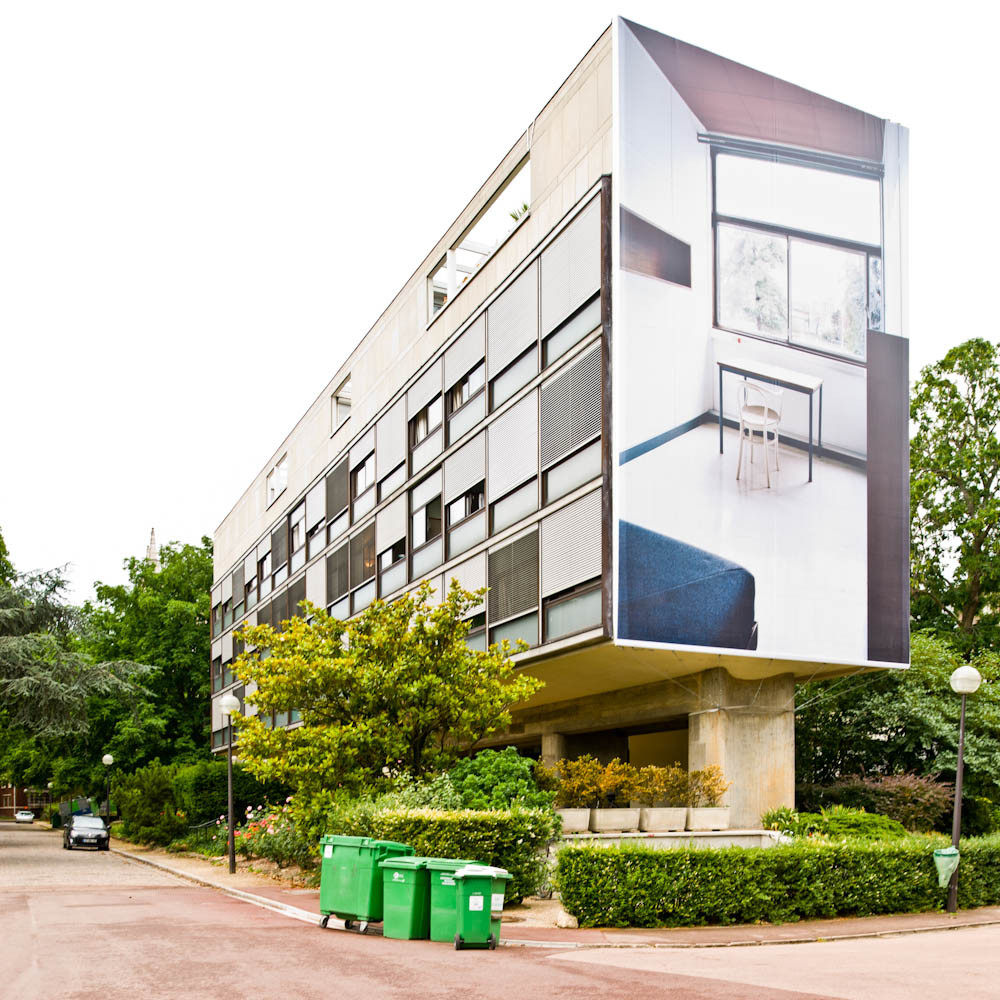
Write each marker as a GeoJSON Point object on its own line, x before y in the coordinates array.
{"type": "Point", "coordinates": [424, 390]}
{"type": "Point", "coordinates": [390, 524]}
{"type": "Point", "coordinates": [571, 407]}
{"type": "Point", "coordinates": [465, 468]}
{"type": "Point", "coordinates": [279, 609]}
{"type": "Point", "coordinates": [513, 447]}
{"type": "Point", "coordinates": [512, 322]}
{"type": "Point", "coordinates": [227, 587]}
{"type": "Point", "coordinates": [513, 578]}
{"type": "Point", "coordinates": [571, 544]}
{"type": "Point", "coordinates": [465, 353]}
{"type": "Point", "coordinates": [336, 575]}
{"type": "Point", "coordinates": [279, 544]}
{"type": "Point", "coordinates": [363, 556]}
{"type": "Point", "coordinates": [390, 439]}
{"type": "Point", "coordinates": [296, 594]}
{"type": "Point", "coordinates": [471, 574]}
{"type": "Point", "coordinates": [364, 447]}
{"type": "Point", "coordinates": [250, 567]}
{"type": "Point", "coordinates": [216, 648]}
{"type": "Point", "coordinates": [227, 647]}
{"type": "Point", "coordinates": [337, 489]}
{"type": "Point", "coordinates": [315, 505]}
{"type": "Point", "coordinates": [238, 586]}
{"type": "Point", "coordinates": [217, 592]}
{"type": "Point", "coordinates": [571, 267]}
{"type": "Point", "coordinates": [316, 584]}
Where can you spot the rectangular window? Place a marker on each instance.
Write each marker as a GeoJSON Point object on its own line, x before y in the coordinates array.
{"type": "Point", "coordinates": [340, 405]}
{"type": "Point", "coordinates": [227, 613]}
{"type": "Point", "coordinates": [390, 483]}
{"type": "Point", "coordinates": [337, 584]}
{"type": "Point", "coordinates": [392, 567]}
{"type": "Point", "coordinates": [426, 421]}
{"type": "Point", "coordinates": [264, 575]}
{"type": "Point", "coordinates": [467, 504]}
{"type": "Point", "coordinates": [518, 374]}
{"type": "Point", "coordinates": [297, 537]}
{"type": "Point", "coordinates": [337, 499]}
{"type": "Point", "coordinates": [475, 638]}
{"type": "Point", "coordinates": [580, 325]}
{"type": "Point", "coordinates": [216, 620]}
{"type": "Point", "coordinates": [494, 224]}
{"type": "Point", "coordinates": [316, 539]}
{"type": "Point", "coordinates": [574, 611]}
{"type": "Point", "coordinates": [426, 522]}
{"type": "Point", "coordinates": [250, 592]}
{"type": "Point", "coordinates": [525, 628]}
{"type": "Point", "coordinates": [579, 468]}
{"type": "Point", "coordinates": [277, 480]}
{"type": "Point", "coordinates": [511, 508]}
{"type": "Point", "coordinates": [512, 576]}
{"type": "Point", "coordinates": [217, 674]}
{"type": "Point", "coordinates": [363, 556]}
{"type": "Point", "coordinates": [363, 476]}
{"type": "Point", "coordinates": [798, 254]}
{"type": "Point", "coordinates": [470, 385]}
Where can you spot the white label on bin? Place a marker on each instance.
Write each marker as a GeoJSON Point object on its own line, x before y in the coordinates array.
{"type": "Point", "coordinates": [328, 851]}
{"type": "Point", "coordinates": [496, 903]}
{"type": "Point", "coordinates": [475, 902]}
{"type": "Point", "coordinates": [447, 880]}
{"type": "Point", "coordinates": [398, 877]}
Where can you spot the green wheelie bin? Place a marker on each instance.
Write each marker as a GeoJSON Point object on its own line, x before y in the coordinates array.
{"type": "Point", "coordinates": [350, 884]}
{"type": "Point", "coordinates": [406, 891]}
{"type": "Point", "coordinates": [444, 890]}
{"type": "Point", "coordinates": [479, 905]}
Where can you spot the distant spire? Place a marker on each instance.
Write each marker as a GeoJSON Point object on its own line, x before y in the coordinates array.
{"type": "Point", "coordinates": [153, 550]}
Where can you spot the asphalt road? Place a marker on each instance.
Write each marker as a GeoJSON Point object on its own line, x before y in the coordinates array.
{"type": "Point", "coordinates": [94, 925]}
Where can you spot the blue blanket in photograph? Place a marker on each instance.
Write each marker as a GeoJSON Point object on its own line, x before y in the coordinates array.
{"type": "Point", "coordinates": [670, 591]}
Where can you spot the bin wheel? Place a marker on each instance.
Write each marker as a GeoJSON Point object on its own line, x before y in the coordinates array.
{"type": "Point", "coordinates": [363, 927]}
{"type": "Point", "coordinates": [348, 923]}
{"type": "Point", "coordinates": [323, 921]}
{"type": "Point", "coordinates": [458, 942]}
{"type": "Point", "coordinates": [492, 942]}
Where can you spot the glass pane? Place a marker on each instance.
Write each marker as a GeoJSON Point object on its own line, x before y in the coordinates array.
{"type": "Point", "coordinates": [573, 615]}
{"type": "Point", "coordinates": [466, 534]}
{"type": "Point", "coordinates": [828, 298]}
{"type": "Point", "coordinates": [337, 527]}
{"type": "Point", "coordinates": [753, 281]}
{"type": "Point", "coordinates": [806, 198]}
{"type": "Point", "coordinates": [362, 597]}
{"type": "Point", "coordinates": [428, 449]}
{"type": "Point", "coordinates": [520, 628]}
{"type": "Point", "coordinates": [519, 374]}
{"type": "Point", "coordinates": [340, 609]}
{"type": "Point", "coordinates": [574, 471]}
{"type": "Point", "coordinates": [426, 559]}
{"type": "Point", "coordinates": [467, 417]}
{"type": "Point", "coordinates": [393, 481]}
{"type": "Point", "coordinates": [573, 331]}
{"type": "Point", "coordinates": [515, 506]}
{"type": "Point", "coordinates": [363, 504]}
{"type": "Point", "coordinates": [298, 559]}
{"type": "Point", "coordinates": [477, 641]}
{"type": "Point", "coordinates": [875, 293]}
{"type": "Point", "coordinates": [392, 579]}
{"type": "Point", "coordinates": [295, 715]}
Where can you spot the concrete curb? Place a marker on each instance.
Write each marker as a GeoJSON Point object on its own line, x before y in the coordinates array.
{"type": "Point", "coordinates": [308, 917]}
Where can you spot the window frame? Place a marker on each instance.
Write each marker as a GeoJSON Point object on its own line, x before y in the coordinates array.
{"type": "Point", "coordinates": [276, 480]}
{"type": "Point", "coordinates": [788, 234]}
{"type": "Point", "coordinates": [564, 597]}
{"type": "Point", "coordinates": [340, 396]}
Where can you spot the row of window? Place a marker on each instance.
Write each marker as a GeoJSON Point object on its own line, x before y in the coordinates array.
{"type": "Point", "coordinates": [348, 493]}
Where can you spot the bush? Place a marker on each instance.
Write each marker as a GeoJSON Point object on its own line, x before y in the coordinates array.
{"type": "Point", "coordinates": [201, 790]}
{"type": "Point", "coordinates": [433, 792]}
{"type": "Point", "coordinates": [707, 786]}
{"type": "Point", "coordinates": [515, 839]}
{"type": "Point", "coordinates": [270, 833]}
{"type": "Point", "coordinates": [918, 802]}
{"type": "Point", "coordinates": [642, 887]}
{"type": "Point", "coordinates": [667, 786]}
{"type": "Point", "coordinates": [497, 780]}
{"type": "Point", "coordinates": [147, 806]}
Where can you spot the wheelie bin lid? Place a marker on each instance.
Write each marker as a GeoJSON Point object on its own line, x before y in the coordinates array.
{"type": "Point", "coordinates": [340, 841]}
{"type": "Point", "coordinates": [482, 871]}
{"type": "Point", "coordinates": [390, 845]}
{"type": "Point", "coordinates": [408, 862]}
{"type": "Point", "coordinates": [448, 864]}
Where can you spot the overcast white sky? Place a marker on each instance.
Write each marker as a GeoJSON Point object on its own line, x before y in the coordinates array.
{"type": "Point", "coordinates": [184, 186]}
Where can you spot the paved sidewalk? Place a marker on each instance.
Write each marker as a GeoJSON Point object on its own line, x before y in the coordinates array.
{"type": "Point", "coordinates": [520, 930]}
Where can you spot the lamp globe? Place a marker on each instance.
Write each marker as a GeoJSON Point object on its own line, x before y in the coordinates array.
{"type": "Point", "coordinates": [965, 680]}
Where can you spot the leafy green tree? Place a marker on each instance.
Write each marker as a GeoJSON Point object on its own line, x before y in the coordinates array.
{"type": "Point", "coordinates": [896, 721]}
{"type": "Point", "coordinates": [7, 573]}
{"type": "Point", "coordinates": [955, 495]}
{"type": "Point", "coordinates": [160, 617]}
{"type": "Point", "coordinates": [397, 687]}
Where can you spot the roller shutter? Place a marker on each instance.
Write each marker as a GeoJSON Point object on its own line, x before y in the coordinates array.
{"type": "Point", "coordinates": [571, 267]}
{"type": "Point", "coordinates": [316, 584]}
{"type": "Point", "coordinates": [363, 448]}
{"type": "Point", "coordinates": [465, 353]}
{"type": "Point", "coordinates": [465, 468]}
{"type": "Point", "coordinates": [336, 575]}
{"type": "Point", "coordinates": [390, 524]}
{"type": "Point", "coordinates": [315, 505]}
{"type": "Point", "coordinates": [513, 447]}
{"type": "Point", "coordinates": [390, 439]}
{"type": "Point", "coordinates": [337, 490]}
{"type": "Point", "coordinates": [570, 408]}
{"type": "Point", "coordinates": [296, 594]}
{"type": "Point", "coordinates": [512, 321]}
{"type": "Point", "coordinates": [424, 389]}
{"type": "Point", "coordinates": [279, 544]}
{"type": "Point", "coordinates": [513, 578]}
{"type": "Point", "coordinates": [571, 544]}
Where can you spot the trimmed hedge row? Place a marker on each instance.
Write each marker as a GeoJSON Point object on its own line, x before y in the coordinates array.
{"type": "Point", "coordinates": [515, 839]}
{"type": "Point", "coordinates": [644, 887]}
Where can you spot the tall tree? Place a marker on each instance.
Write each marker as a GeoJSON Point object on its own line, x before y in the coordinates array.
{"type": "Point", "coordinates": [160, 618]}
{"type": "Point", "coordinates": [955, 495]}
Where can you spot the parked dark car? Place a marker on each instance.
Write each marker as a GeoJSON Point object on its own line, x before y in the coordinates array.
{"type": "Point", "coordinates": [85, 831]}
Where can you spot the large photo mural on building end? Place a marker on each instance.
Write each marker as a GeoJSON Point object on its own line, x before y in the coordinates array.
{"type": "Point", "coordinates": [760, 362]}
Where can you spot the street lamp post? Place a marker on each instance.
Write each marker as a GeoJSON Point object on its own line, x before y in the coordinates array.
{"type": "Point", "coordinates": [964, 681]}
{"type": "Point", "coordinates": [107, 760]}
{"type": "Point", "coordinates": [229, 704]}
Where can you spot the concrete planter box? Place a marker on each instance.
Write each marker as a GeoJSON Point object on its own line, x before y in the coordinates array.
{"type": "Point", "coordinates": [574, 820]}
{"type": "Point", "coordinates": [613, 820]}
{"type": "Point", "coordinates": [657, 819]}
{"type": "Point", "coordinates": [708, 818]}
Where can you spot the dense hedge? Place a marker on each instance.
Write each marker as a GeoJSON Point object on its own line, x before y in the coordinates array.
{"type": "Point", "coordinates": [201, 790]}
{"type": "Point", "coordinates": [643, 887]}
{"type": "Point", "coordinates": [514, 839]}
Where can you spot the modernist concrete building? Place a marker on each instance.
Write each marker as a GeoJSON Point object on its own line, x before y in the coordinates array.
{"type": "Point", "coordinates": [649, 388]}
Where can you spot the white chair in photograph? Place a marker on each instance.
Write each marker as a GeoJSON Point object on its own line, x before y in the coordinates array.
{"type": "Point", "coordinates": [760, 415]}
